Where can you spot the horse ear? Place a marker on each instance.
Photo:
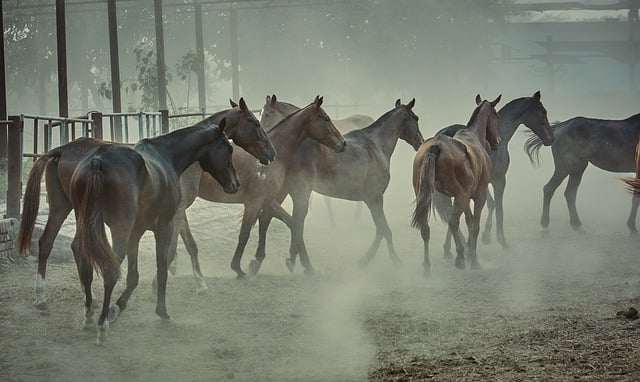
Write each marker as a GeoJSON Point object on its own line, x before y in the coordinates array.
{"type": "Point", "coordinates": [495, 101]}
{"type": "Point", "coordinates": [243, 105]}
{"type": "Point", "coordinates": [268, 99]}
{"type": "Point", "coordinates": [398, 103]}
{"type": "Point", "coordinates": [274, 99]}
{"type": "Point", "coordinates": [233, 104]}
{"type": "Point", "coordinates": [536, 96]}
{"type": "Point", "coordinates": [222, 124]}
{"type": "Point", "coordinates": [411, 104]}
{"type": "Point", "coordinates": [318, 101]}
{"type": "Point", "coordinates": [478, 99]}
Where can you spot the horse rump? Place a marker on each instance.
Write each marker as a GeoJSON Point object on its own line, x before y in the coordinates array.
{"type": "Point", "coordinates": [425, 187]}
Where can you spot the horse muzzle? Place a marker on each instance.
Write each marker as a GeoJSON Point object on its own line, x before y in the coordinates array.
{"type": "Point", "coordinates": [233, 187]}
{"type": "Point", "coordinates": [340, 146]}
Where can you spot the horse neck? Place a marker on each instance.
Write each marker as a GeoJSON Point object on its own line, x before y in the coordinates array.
{"type": "Point", "coordinates": [180, 148]}
{"type": "Point", "coordinates": [510, 117]}
{"type": "Point", "coordinates": [385, 132]}
{"type": "Point", "coordinates": [214, 119]}
{"type": "Point", "coordinates": [288, 134]}
{"type": "Point", "coordinates": [479, 127]}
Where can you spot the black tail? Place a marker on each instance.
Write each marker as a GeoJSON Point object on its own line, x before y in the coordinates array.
{"type": "Point", "coordinates": [426, 189]}
{"type": "Point", "coordinates": [532, 147]}
{"type": "Point", "coordinates": [31, 202]}
{"type": "Point", "coordinates": [92, 238]}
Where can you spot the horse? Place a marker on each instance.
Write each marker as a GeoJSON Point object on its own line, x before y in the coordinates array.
{"type": "Point", "coordinates": [460, 168]}
{"type": "Point", "coordinates": [528, 111]}
{"type": "Point", "coordinates": [578, 142]}
{"type": "Point", "coordinates": [365, 163]}
{"type": "Point", "coordinates": [241, 126]}
{"type": "Point", "coordinates": [132, 190]}
{"type": "Point", "coordinates": [275, 110]}
{"type": "Point", "coordinates": [262, 184]}
{"type": "Point", "coordinates": [633, 184]}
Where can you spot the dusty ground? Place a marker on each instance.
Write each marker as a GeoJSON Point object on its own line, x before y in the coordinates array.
{"type": "Point", "coordinates": [545, 310]}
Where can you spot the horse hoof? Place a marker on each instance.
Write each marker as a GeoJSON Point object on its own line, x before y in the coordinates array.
{"type": "Point", "coordinates": [88, 325]}
{"type": "Point", "coordinates": [475, 265]}
{"type": "Point", "coordinates": [290, 264]}
{"type": "Point", "coordinates": [363, 262]}
{"type": "Point", "coordinates": [41, 305]}
{"type": "Point", "coordinates": [254, 267]}
{"type": "Point", "coordinates": [202, 290]}
{"type": "Point", "coordinates": [164, 315]}
{"type": "Point", "coordinates": [633, 233]}
{"type": "Point", "coordinates": [426, 273]}
{"type": "Point", "coordinates": [544, 231]}
{"type": "Point", "coordinates": [460, 263]}
{"type": "Point", "coordinates": [579, 229]}
{"type": "Point", "coordinates": [113, 315]}
{"type": "Point", "coordinates": [447, 255]}
{"type": "Point", "coordinates": [309, 271]}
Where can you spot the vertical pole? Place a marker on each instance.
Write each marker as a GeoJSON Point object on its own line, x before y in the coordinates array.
{"type": "Point", "coordinates": [63, 101]}
{"type": "Point", "coordinates": [164, 119]}
{"type": "Point", "coordinates": [235, 75]}
{"type": "Point", "coordinates": [40, 67]}
{"type": "Point", "coordinates": [633, 48]}
{"type": "Point", "coordinates": [14, 188]}
{"type": "Point", "coordinates": [114, 55]}
{"type": "Point", "coordinates": [202, 95]}
{"type": "Point", "coordinates": [550, 64]}
{"type": "Point", "coordinates": [162, 81]}
{"type": "Point", "coordinates": [97, 132]}
{"type": "Point", "coordinates": [3, 96]}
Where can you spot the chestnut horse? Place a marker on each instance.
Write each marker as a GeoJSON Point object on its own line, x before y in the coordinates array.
{"type": "Point", "coordinates": [634, 183]}
{"type": "Point", "coordinates": [528, 111]}
{"type": "Point", "coordinates": [365, 163]}
{"type": "Point", "coordinates": [132, 190]}
{"type": "Point", "coordinates": [261, 185]}
{"type": "Point", "coordinates": [241, 126]}
{"type": "Point", "coordinates": [458, 167]}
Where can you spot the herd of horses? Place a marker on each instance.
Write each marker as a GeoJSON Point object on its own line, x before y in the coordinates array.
{"type": "Point", "coordinates": [293, 151]}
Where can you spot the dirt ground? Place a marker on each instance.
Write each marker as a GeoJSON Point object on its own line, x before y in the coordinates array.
{"type": "Point", "coordinates": [544, 310]}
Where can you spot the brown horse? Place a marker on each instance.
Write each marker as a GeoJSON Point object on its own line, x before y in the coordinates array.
{"type": "Point", "coordinates": [133, 190]}
{"type": "Point", "coordinates": [261, 185]}
{"type": "Point", "coordinates": [241, 126]}
{"type": "Point", "coordinates": [458, 167]}
{"type": "Point", "coordinates": [365, 163]}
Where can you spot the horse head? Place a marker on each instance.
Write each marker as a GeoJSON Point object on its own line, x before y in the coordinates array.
{"type": "Point", "coordinates": [410, 132]}
{"type": "Point", "coordinates": [535, 118]}
{"type": "Point", "coordinates": [320, 127]}
{"type": "Point", "coordinates": [488, 108]}
{"type": "Point", "coordinates": [274, 111]}
{"type": "Point", "coordinates": [217, 161]}
{"type": "Point", "coordinates": [246, 131]}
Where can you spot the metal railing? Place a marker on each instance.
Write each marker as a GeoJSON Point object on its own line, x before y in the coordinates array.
{"type": "Point", "coordinates": [131, 127]}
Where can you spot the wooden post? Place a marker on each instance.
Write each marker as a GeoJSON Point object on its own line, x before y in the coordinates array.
{"type": "Point", "coordinates": [115, 69]}
{"type": "Point", "coordinates": [14, 189]}
{"type": "Point", "coordinates": [202, 93]}
{"type": "Point", "coordinates": [235, 75]}
{"type": "Point", "coordinates": [3, 97]}
{"type": "Point", "coordinates": [162, 81]}
{"type": "Point", "coordinates": [97, 132]}
{"type": "Point", "coordinates": [164, 118]}
{"type": "Point", "coordinates": [63, 98]}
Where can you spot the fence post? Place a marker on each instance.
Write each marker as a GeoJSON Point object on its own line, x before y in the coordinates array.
{"type": "Point", "coordinates": [96, 117]}
{"type": "Point", "coordinates": [164, 117]}
{"type": "Point", "coordinates": [14, 166]}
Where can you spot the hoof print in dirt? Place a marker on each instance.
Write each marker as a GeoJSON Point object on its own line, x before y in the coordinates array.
{"type": "Point", "coordinates": [631, 313]}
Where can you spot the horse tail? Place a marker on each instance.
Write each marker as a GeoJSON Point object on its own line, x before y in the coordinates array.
{"type": "Point", "coordinates": [31, 202]}
{"type": "Point", "coordinates": [426, 189]}
{"type": "Point", "coordinates": [532, 148]}
{"type": "Point", "coordinates": [633, 184]}
{"type": "Point", "coordinates": [92, 238]}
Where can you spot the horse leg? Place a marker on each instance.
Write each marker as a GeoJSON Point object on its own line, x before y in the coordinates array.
{"type": "Point", "coordinates": [270, 210]}
{"type": "Point", "coordinates": [85, 272]}
{"type": "Point", "coordinates": [488, 225]}
{"type": "Point", "coordinates": [548, 190]}
{"type": "Point", "coordinates": [473, 222]}
{"type": "Point", "coordinates": [376, 207]}
{"type": "Point", "coordinates": [192, 249]}
{"type": "Point", "coordinates": [499, 186]}
{"type": "Point", "coordinates": [300, 198]}
{"type": "Point", "coordinates": [172, 256]}
{"type": "Point", "coordinates": [459, 206]}
{"type": "Point", "coordinates": [59, 208]}
{"type": "Point", "coordinates": [425, 232]}
{"type": "Point", "coordinates": [248, 220]}
{"type": "Point", "coordinates": [631, 222]}
{"type": "Point", "coordinates": [162, 236]}
{"type": "Point", "coordinates": [129, 247]}
{"type": "Point", "coordinates": [447, 245]}
{"type": "Point", "coordinates": [570, 195]}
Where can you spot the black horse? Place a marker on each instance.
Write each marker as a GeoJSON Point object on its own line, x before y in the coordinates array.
{"type": "Point", "coordinates": [580, 141]}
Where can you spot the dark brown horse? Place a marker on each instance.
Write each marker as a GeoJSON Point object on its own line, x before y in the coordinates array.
{"type": "Point", "coordinates": [578, 142]}
{"type": "Point", "coordinates": [132, 190]}
{"type": "Point", "coordinates": [460, 168]}
{"type": "Point", "coordinates": [527, 111]}
{"type": "Point", "coordinates": [262, 185]}
{"type": "Point", "coordinates": [241, 126]}
{"type": "Point", "coordinates": [365, 164]}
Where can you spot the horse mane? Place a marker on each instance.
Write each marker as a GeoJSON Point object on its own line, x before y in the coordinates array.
{"type": "Point", "coordinates": [381, 119]}
{"type": "Point", "coordinates": [287, 118]}
{"type": "Point", "coordinates": [475, 114]}
{"type": "Point", "coordinates": [213, 117]}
